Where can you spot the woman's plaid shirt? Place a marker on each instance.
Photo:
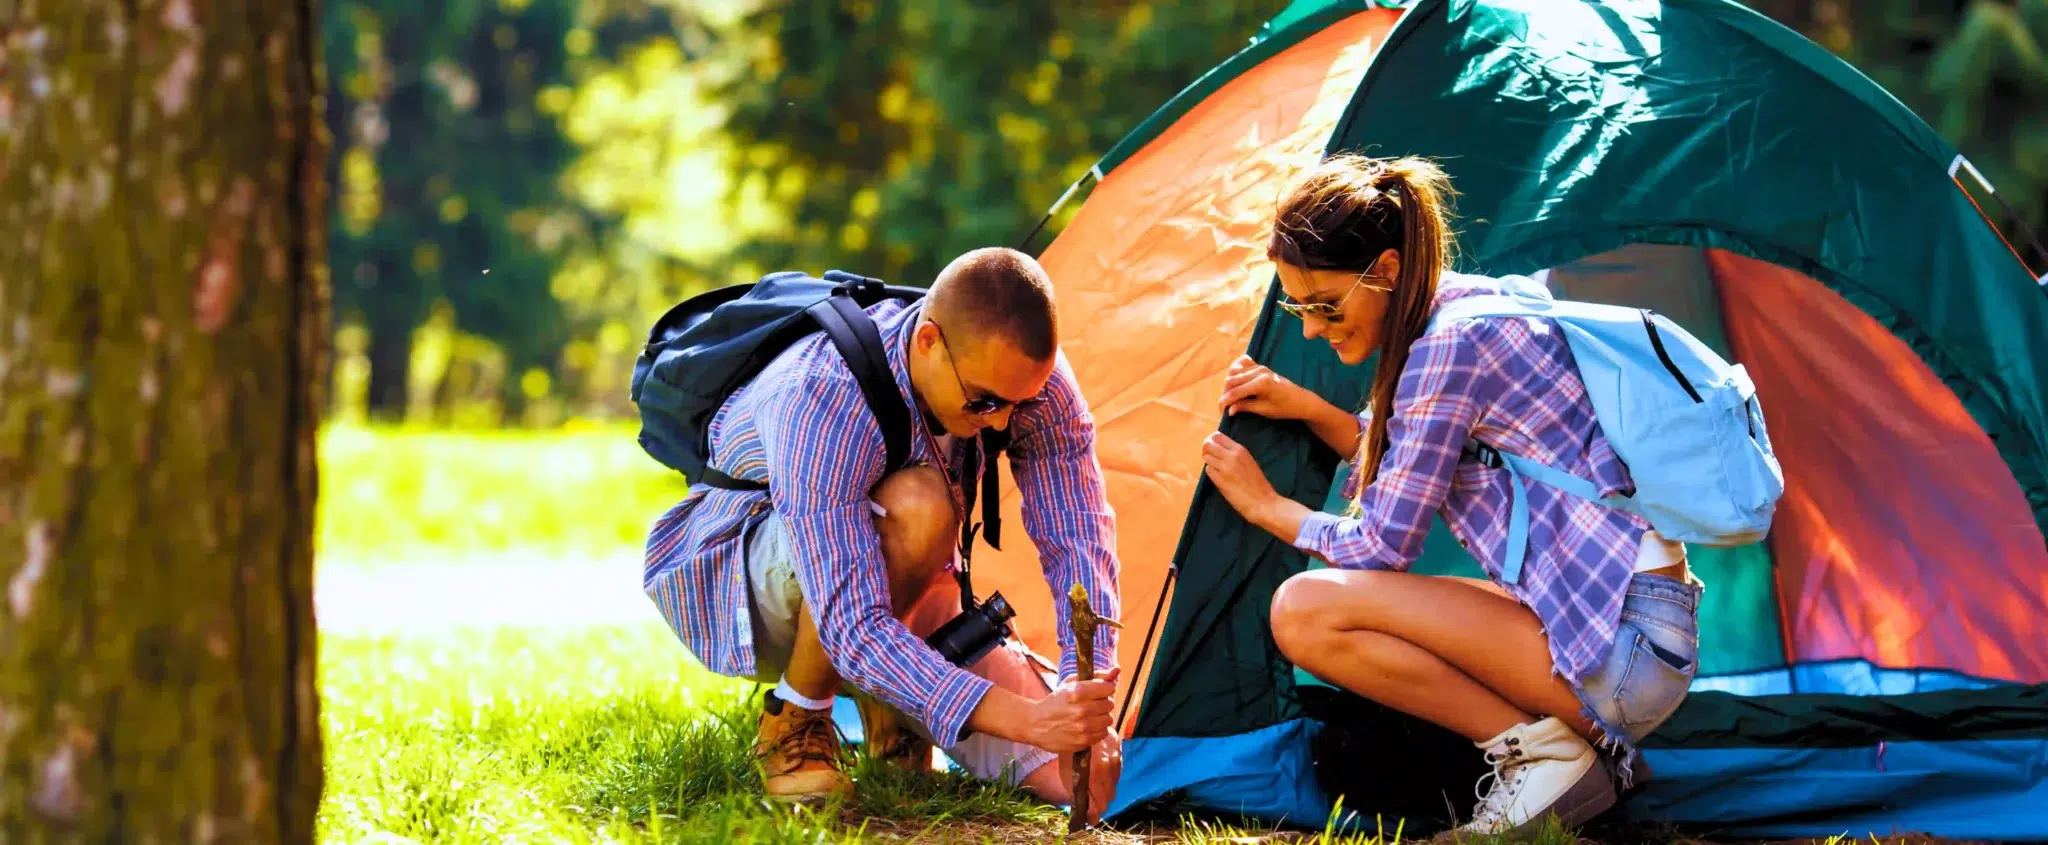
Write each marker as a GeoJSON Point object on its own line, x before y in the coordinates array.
{"type": "Point", "coordinates": [1511, 383]}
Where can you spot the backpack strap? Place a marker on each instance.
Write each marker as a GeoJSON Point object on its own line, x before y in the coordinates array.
{"type": "Point", "coordinates": [712, 476]}
{"type": "Point", "coordinates": [860, 343]}
{"type": "Point", "coordinates": [1519, 469]}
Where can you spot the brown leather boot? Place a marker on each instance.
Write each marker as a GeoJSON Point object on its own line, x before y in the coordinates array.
{"type": "Point", "coordinates": [889, 739]}
{"type": "Point", "coordinates": [800, 753]}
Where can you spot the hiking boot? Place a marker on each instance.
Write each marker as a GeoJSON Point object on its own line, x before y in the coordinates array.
{"type": "Point", "coordinates": [799, 752]}
{"type": "Point", "coordinates": [1539, 770]}
{"type": "Point", "coordinates": [889, 739]}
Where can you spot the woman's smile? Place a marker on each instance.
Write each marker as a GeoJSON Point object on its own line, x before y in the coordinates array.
{"type": "Point", "coordinates": [1352, 346]}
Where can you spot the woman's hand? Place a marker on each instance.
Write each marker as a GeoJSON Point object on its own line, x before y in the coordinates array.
{"type": "Point", "coordinates": [1237, 476]}
{"type": "Point", "coordinates": [1257, 389]}
{"type": "Point", "coordinates": [1254, 388]}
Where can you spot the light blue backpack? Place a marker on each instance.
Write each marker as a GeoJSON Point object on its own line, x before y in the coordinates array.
{"type": "Point", "coordinates": [1686, 422]}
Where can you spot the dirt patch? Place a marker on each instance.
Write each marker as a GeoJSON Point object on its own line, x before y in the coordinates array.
{"type": "Point", "coordinates": [945, 831]}
{"type": "Point", "coordinates": [942, 831]}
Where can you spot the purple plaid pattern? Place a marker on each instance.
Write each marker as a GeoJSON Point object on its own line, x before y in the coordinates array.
{"type": "Point", "coordinates": [804, 427]}
{"type": "Point", "coordinates": [1511, 383]}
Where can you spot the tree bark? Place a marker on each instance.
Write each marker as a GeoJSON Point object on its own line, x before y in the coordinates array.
{"type": "Point", "coordinates": [390, 355]}
{"type": "Point", "coordinates": [163, 308]}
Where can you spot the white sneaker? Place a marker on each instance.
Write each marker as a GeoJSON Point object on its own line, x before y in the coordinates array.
{"type": "Point", "coordinates": [1539, 770]}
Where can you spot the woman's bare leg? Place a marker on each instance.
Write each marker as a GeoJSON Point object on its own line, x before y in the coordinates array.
{"type": "Point", "coordinates": [1455, 651]}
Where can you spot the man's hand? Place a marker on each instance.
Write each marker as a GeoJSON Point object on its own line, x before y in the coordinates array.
{"type": "Point", "coordinates": [1074, 716]}
{"type": "Point", "coordinates": [1103, 770]}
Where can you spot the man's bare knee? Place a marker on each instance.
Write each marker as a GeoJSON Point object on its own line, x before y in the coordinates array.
{"type": "Point", "coordinates": [919, 528]}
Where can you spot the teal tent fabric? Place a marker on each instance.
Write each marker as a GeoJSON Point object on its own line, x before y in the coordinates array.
{"type": "Point", "coordinates": [1577, 128]}
{"type": "Point", "coordinates": [1590, 141]}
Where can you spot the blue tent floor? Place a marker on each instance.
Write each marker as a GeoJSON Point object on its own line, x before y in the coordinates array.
{"type": "Point", "coordinates": [1710, 784]}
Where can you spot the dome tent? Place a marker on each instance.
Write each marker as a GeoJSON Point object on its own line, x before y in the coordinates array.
{"type": "Point", "coordinates": [1878, 664]}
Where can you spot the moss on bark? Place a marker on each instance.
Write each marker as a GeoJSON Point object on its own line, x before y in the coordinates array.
{"type": "Point", "coordinates": [162, 312]}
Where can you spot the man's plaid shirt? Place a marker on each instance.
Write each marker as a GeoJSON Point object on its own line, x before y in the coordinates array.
{"type": "Point", "coordinates": [803, 427]}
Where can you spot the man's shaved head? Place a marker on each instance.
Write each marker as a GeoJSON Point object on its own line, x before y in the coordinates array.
{"type": "Point", "coordinates": [988, 342]}
{"type": "Point", "coordinates": [998, 292]}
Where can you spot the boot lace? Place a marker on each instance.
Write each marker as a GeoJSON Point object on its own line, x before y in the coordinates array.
{"type": "Point", "coordinates": [811, 738]}
{"type": "Point", "coordinates": [1506, 779]}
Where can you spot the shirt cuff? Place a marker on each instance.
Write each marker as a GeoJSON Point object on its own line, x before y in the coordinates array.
{"type": "Point", "coordinates": [953, 702]}
{"type": "Point", "coordinates": [1318, 534]}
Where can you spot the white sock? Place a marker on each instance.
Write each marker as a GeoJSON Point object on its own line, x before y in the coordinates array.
{"type": "Point", "coordinates": [783, 691]}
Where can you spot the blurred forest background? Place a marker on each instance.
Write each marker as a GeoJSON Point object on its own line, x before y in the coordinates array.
{"type": "Point", "coordinates": [521, 186]}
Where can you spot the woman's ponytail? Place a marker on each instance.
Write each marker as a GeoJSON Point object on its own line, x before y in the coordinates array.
{"type": "Point", "coordinates": [1344, 215]}
{"type": "Point", "coordinates": [1417, 191]}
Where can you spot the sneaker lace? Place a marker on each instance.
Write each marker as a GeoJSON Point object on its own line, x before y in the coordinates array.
{"type": "Point", "coordinates": [1506, 775]}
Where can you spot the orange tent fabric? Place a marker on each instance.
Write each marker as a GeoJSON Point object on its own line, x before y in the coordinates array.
{"type": "Point", "coordinates": [1160, 277]}
{"type": "Point", "coordinates": [1862, 426]}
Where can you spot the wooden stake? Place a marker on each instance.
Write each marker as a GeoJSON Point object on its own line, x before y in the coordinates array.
{"type": "Point", "coordinates": [1082, 619]}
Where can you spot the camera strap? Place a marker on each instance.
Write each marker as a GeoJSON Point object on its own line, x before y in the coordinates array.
{"type": "Point", "coordinates": [981, 466]}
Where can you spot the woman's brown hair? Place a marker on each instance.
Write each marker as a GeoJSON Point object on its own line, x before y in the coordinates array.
{"type": "Point", "coordinates": [1342, 216]}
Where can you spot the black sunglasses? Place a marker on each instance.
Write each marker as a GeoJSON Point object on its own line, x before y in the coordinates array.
{"type": "Point", "coordinates": [983, 406]}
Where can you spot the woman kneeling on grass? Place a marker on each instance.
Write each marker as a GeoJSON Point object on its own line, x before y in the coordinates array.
{"type": "Point", "coordinates": [1595, 642]}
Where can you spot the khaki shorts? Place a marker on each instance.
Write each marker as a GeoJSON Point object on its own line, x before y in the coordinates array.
{"type": "Point", "coordinates": [776, 599]}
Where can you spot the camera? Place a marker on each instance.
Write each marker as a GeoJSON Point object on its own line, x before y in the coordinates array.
{"type": "Point", "coordinates": [975, 632]}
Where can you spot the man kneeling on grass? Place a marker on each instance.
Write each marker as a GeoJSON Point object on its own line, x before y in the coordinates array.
{"type": "Point", "coordinates": [833, 581]}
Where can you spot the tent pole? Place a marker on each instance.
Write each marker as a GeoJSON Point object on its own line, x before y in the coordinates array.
{"type": "Point", "coordinates": [1144, 651]}
{"type": "Point", "coordinates": [1094, 173]}
{"type": "Point", "coordinates": [1962, 163]}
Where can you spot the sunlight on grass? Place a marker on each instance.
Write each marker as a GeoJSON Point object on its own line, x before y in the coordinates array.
{"type": "Point", "coordinates": [597, 732]}
{"type": "Point", "coordinates": [488, 736]}
{"type": "Point", "coordinates": [391, 495]}
{"type": "Point", "coordinates": [597, 735]}
{"type": "Point", "coordinates": [583, 727]}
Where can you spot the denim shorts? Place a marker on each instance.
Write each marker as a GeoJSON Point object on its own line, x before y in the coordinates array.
{"type": "Point", "coordinates": [1651, 666]}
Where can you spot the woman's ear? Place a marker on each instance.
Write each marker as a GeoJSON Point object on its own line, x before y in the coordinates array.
{"type": "Point", "coordinates": [1389, 265]}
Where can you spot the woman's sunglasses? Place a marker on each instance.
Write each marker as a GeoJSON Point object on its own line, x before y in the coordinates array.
{"type": "Point", "coordinates": [1331, 312]}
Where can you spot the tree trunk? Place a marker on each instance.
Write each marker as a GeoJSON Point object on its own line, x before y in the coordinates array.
{"type": "Point", "coordinates": [162, 321]}
{"type": "Point", "coordinates": [390, 354]}
{"type": "Point", "coordinates": [390, 375]}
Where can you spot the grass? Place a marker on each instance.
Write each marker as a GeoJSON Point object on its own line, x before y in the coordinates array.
{"type": "Point", "coordinates": [594, 734]}
{"type": "Point", "coordinates": [392, 495]}
{"type": "Point", "coordinates": [599, 735]}
{"type": "Point", "coordinates": [611, 735]}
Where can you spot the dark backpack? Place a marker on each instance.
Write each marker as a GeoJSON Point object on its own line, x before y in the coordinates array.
{"type": "Point", "coordinates": [710, 345]}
